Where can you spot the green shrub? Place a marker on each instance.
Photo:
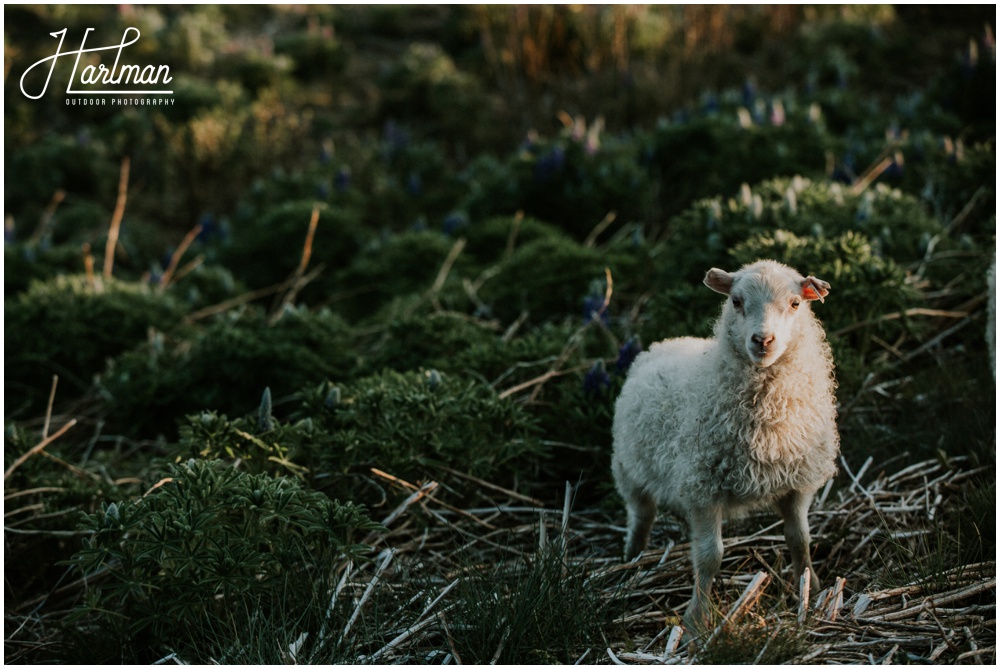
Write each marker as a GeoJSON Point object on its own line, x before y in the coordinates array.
{"type": "Point", "coordinates": [704, 157]}
{"type": "Point", "coordinates": [260, 443]}
{"type": "Point", "coordinates": [78, 221]}
{"type": "Point", "coordinates": [192, 96]}
{"type": "Point", "coordinates": [505, 364]}
{"type": "Point", "coordinates": [25, 263]}
{"type": "Point", "coordinates": [254, 70]}
{"type": "Point", "coordinates": [425, 83]}
{"type": "Point", "coordinates": [396, 266]}
{"type": "Point", "coordinates": [550, 279]}
{"type": "Point", "coordinates": [409, 424]}
{"type": "Point", "coordinates": [572, 181]}
{"type": "Point", "coordinates": [896, 224]}
{"type": "Point", "coordinates": [410, 180]}
{"type": "Point", "coordinates": [487, 241]}
{"type": "Point", "coordinates": [205, 286]}
{"type": "Point", "coordinates": [225, 366]}
{"type": "Point", "coordinates": [575, 412]}
{"type": "Point", "coordinates": [435, 341]}
{"type": "Point", "coordinates": [66, 326]}
{"type": "Point", "coordinates": [211, 545]}
{"type": "Point", "coordinates": [314, 55]}
{"type": "Point", "coordinates": [964, 88]}
{"type": "Point", "coordinates": [866, 288]}
{"type": "Point", "coordinates": [267, 248]}
{"type": "Point", "coordinates": [952, 176]}
{"type": "Point", "coordinates": [865, 285]}
{"type": "Point", "coordinates": [74, 164]}
{"type": "Point", "coordinates": [686, 309]}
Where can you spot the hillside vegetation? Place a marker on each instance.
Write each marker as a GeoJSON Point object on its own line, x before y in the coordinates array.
{"type": "Point", "coordinates": [318, 362]}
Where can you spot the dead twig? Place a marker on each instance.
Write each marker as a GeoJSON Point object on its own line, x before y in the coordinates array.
{"type": "Point", "coordinates": [175, 258]}
{"type": "Point", "coordinates": [116, 218]}
{"type": "Point", "coordinates": [37, 448]}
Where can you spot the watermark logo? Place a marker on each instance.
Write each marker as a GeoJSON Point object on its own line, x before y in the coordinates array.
{"type": "Point", "coordinates": [120, 79]}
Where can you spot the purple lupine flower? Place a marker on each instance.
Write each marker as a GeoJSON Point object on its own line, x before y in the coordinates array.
{"type": "Point", "coordinates": [749, 93]}
{"type": "Point", "coordinates": [550, 163]}
{"type": "Point", "coordinates": [322, 192]}
{"type": "Point", "coordinates": [209, 227]}
{"type": "Point", "coordinates": [396, 140]}
{"type": "Point", "coordinates": [455, 222]}
{"type": "Point", "coordinates": [627, 354]}
{"type": "Point", "coordinates": [596, 380]}
{"type": "Point", "coordinates": [395, 135]}
{"type": "Point", "coordinates": [342, 180]}
{"type": "Point", "coordinates": [844, 172]}
{"type": "Point", "coordinates": [637, 238]}
{"type": "Point", "coordinates": [414, 184]}
{"type": "Point", "coordinates": [594, 309]}
{"type": "Point", "coordinates": [895, 168]}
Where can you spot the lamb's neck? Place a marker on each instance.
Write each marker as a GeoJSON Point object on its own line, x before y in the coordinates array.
{"type": "Point", "coordinates": [753, 384]}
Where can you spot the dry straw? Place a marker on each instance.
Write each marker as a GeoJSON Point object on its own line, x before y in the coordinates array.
{"type": "Point", "coordinates": [947, 617]}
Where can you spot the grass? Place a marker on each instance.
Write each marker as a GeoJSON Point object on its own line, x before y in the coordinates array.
{"type": "Point", "coordinates": [505, 577]}
{"type": "Point", "coordinates": [758, 641]}
{"type": "Point", "coordinates": [487, 561]}
{"type": "Point", "coordinates": [964, 534]}
{"type": "Point", "coordinates": [536, 609]}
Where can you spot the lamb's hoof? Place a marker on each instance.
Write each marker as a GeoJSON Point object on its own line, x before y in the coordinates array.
{"type": "Point", "coordinates": [698, 625]}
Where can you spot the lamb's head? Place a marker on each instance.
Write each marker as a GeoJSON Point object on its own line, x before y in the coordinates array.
{"type": "Point", "coordinates": [767, 304]}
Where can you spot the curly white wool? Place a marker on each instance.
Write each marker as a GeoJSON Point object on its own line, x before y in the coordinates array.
{"type": "Point", "coordinates": [711, 428]}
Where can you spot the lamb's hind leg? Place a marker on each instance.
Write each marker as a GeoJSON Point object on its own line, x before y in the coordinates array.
{"type": "Point", "coordinates": [641, 514]}
{"type": "Point", "coordinates": [794, 508]}
{"type": "Point", "coordinates": [706, 553]}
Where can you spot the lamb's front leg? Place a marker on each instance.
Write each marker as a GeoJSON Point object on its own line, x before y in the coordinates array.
{"type": "Point", "coordinates": [794, 508]}
{"type": "Point", "coordinates": [706, 554]}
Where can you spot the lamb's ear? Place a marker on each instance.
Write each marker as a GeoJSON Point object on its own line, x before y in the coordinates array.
{"type": "Point", "coordinates": [719, 280]}
{"type": "Point", "coordinates": [814, 289]}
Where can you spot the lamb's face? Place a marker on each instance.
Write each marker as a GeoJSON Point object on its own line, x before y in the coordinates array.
{"type": "Point", "coordinates": [765, 306]}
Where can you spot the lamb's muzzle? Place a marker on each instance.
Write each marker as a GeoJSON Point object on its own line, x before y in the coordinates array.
{"type": "Point", "coordinates": [711, 428]}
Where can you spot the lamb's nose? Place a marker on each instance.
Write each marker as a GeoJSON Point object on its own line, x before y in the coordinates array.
{"type": "Point", "coordinates": [762, 341]}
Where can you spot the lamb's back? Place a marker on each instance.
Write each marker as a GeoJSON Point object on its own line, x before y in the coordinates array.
{"type": "Point", "coordinates": [660, 407]}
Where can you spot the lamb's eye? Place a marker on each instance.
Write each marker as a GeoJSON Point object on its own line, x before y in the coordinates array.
{"type": "Point", "coordinates": [738, 303]}
{"type": "Point", "coordinates": [795, 304]}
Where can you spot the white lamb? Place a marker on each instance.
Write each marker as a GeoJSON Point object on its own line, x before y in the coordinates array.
{"type": "Point", "coordinates": [712, 428]}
